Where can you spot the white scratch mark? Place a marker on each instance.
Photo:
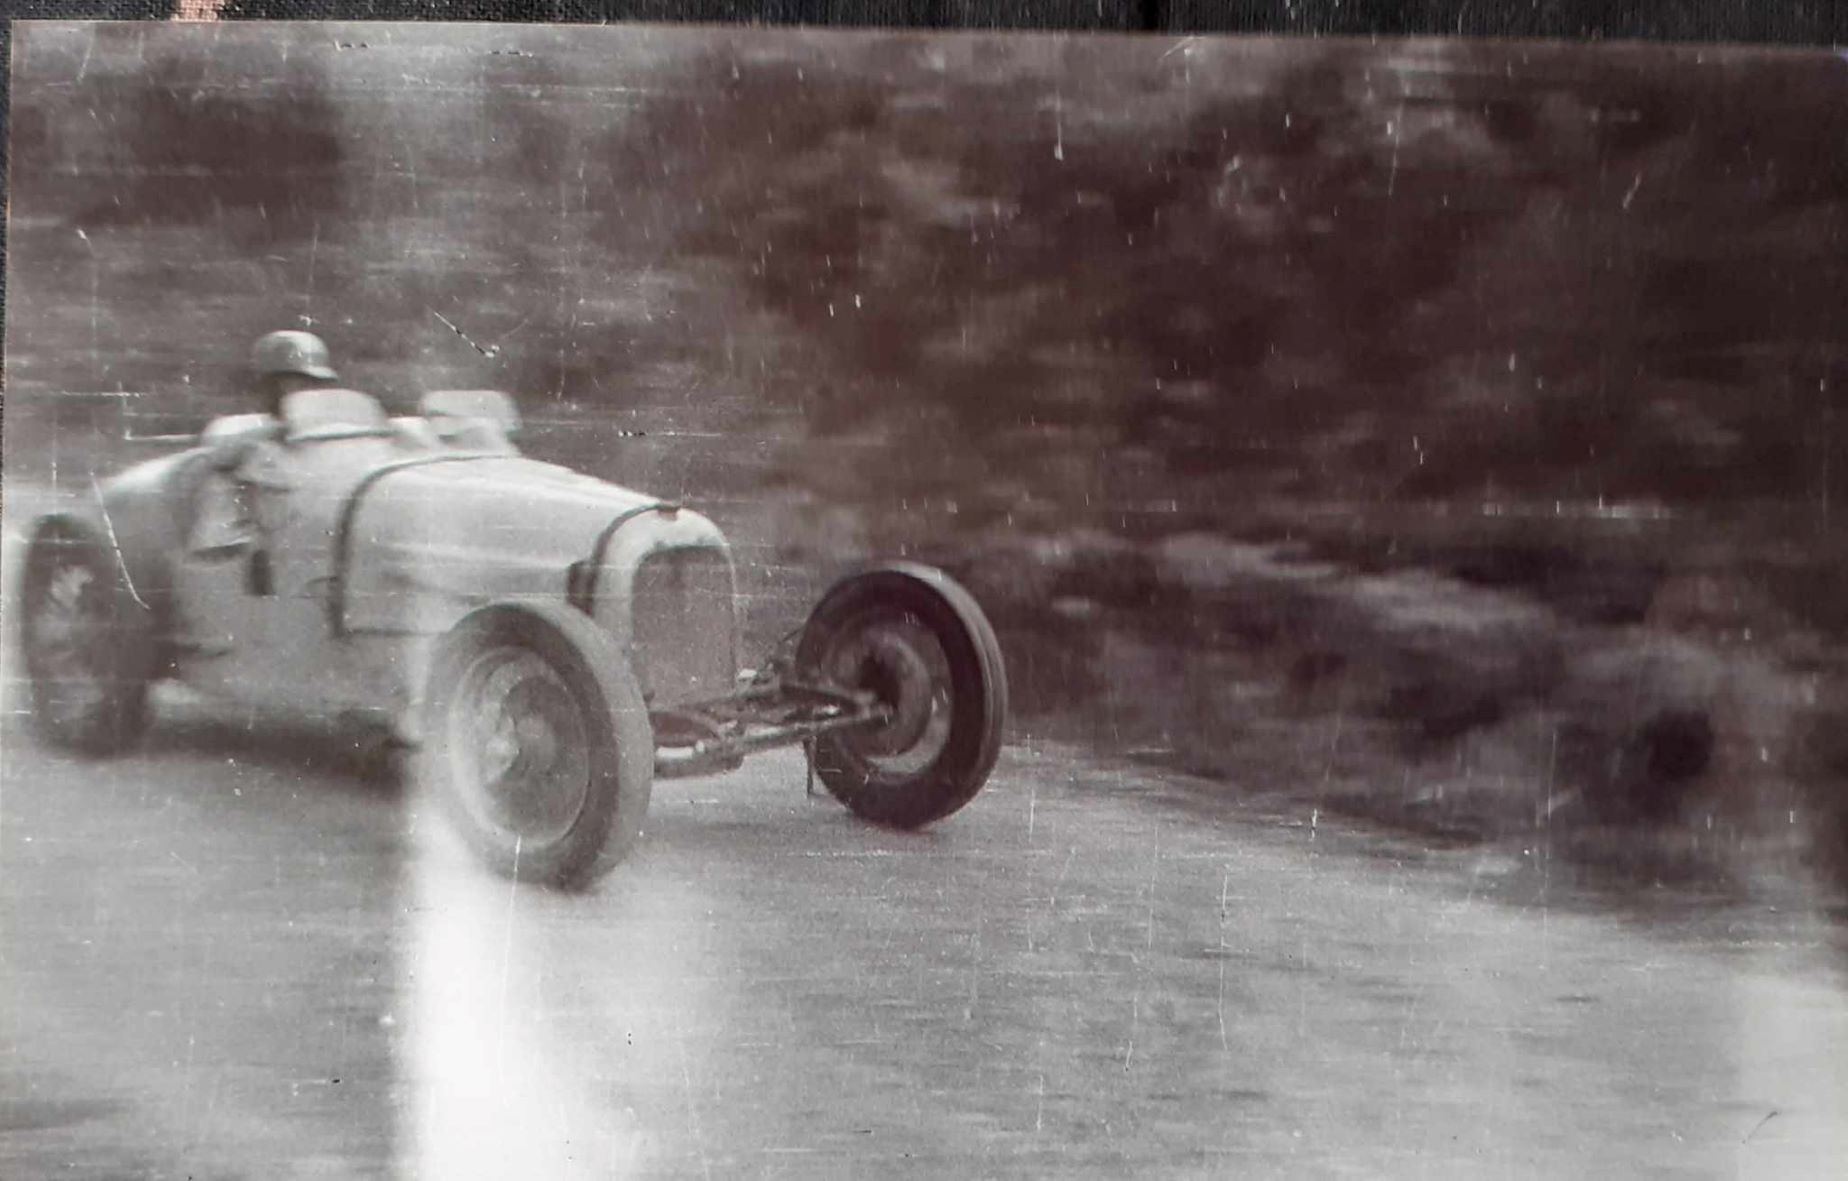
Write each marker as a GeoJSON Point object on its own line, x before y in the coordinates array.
{"type": "Point", "coordinates": [128, 579]}
{"type": "Point", "coordinates": [1135, 1019]}
{"type": "Point", "coordinates": [686, 1082]}
{"type": "Point", "coordinates": [1631, 194]}
{"type": "Point", "coordinates": [1225, 888]}
{"type": "Point", "coordinates": [486, 351]}
{"type": "Point", "coordinates": [975, 968]}
{"type": "Point", "coordinates": [314, 250]}
{"type": "Point", "coordinates": [1052, 903]}
{"type": "Point", "coordinates": [1828, 446]}
{"type": "Point", "coordinates": [1148, 945]}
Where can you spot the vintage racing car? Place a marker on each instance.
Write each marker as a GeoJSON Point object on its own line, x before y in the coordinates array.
{"type": "Point", "coordinates": [546, 643]}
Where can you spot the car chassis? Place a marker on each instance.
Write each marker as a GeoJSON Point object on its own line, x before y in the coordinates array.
{"type": "Point", "coordinates": [770, 711]}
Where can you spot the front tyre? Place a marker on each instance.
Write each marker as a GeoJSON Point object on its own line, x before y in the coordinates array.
{"type": "Point", "coordinates": [85, 639]}
{"type": "Point", "coordinates": [537, 742]}
{"type": "Point", "coordinates": [921, 645]}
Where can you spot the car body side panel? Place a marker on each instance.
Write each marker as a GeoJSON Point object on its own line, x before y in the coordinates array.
{"type": "Point", "coordinates": [272, 649]}
{"type": "Point", "coordinates": [372, 551]}
{"type": "Point", "coordinates": [145, 514]}
{"type": "Point", "coordinates": [422, 545]}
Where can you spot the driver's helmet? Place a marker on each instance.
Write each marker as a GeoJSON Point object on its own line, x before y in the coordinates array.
{"type": "Point", "coordinates": [301, 353]}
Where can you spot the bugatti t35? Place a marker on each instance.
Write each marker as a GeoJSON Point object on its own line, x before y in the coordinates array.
{"type": "Point", "coordinates": [548, 644]}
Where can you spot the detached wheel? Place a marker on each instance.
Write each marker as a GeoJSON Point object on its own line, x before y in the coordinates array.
{"type": "Point", "coordinates": [917, 641]}
{"type": "Point", "coordinates": [538, 743]}
{"type": "Point", "coordinates": [86, 642]}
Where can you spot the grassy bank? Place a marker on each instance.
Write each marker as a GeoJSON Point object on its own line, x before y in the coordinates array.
{"type": "Point", "coordinates": [1626, 708]}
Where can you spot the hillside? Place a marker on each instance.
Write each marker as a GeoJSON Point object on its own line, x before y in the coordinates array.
{"type": "Point", "coordinates": [1547, 336]}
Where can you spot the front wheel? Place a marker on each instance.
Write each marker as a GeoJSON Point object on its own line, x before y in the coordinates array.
{"type": "Point", "coordinates": [921, 645]}
{"type": "Point", "coordinates": [538, 743]}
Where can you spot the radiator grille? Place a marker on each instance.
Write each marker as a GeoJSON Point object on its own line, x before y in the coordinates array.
{"type": "Point", "coordinates": [682, 626]}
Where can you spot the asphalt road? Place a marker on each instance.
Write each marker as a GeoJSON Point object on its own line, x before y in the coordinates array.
{"type": "Point", "coordinates": [230, 956]}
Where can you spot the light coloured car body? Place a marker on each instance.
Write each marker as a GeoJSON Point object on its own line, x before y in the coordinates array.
{"type": "Point", "coordinates": [548, 644]}
{"type": "Point", "coordinates": [376, 536]}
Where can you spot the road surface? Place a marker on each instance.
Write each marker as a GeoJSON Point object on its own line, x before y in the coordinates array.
{"type": "Point", "coordinates": [230, 956]}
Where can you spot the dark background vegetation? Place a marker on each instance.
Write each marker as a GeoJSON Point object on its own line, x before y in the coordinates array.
{"type": "Point", "coordinates": [1558, 327]}
{"type": "Point", "coordinates": [1337, 272]}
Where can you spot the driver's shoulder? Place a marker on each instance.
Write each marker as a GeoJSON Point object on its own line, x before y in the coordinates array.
{"type": "Point", "coordinates": [230, 439]}
{"type": "Point", "coordinates": [231, 428]}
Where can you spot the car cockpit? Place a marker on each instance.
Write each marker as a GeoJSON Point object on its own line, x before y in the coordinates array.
{"type": "Point", "coordinates": [465, 420]}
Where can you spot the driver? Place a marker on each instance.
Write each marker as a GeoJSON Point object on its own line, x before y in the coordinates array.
{"type": "Point", "coordinates": [286, 363]}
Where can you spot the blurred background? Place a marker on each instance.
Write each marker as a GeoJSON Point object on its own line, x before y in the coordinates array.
{"type": "Point", "coordinates": [1451, 432]}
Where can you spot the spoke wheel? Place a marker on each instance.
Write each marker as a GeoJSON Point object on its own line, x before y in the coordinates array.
{"type": "Point", "coordinates": [539, 743]}
{"type": "Point", "coordinates": [889, 653]}
{"type": "Point", "coordinates": [921, 646]}
{"type": "Point", "coordinates": [519, 744]}
{"type": "Point", "coordinates": [85, 643]}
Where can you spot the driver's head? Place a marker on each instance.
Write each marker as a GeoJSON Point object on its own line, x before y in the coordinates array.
{"type": "Point", "coordinates": [289, 361]}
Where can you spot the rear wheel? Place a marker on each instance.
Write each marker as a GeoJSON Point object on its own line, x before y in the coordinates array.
{"type": "Point", "coordinates": [85, 640]}
{"type": "Point", "coordinates": [919, 643]}
{"type": "Point", "coordinates": [538, 743]}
